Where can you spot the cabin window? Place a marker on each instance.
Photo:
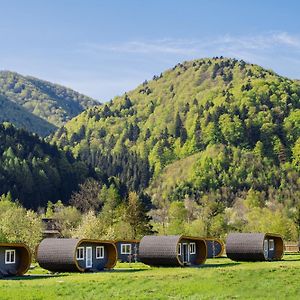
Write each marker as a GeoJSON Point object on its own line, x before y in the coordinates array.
{"type": "Point", "coordinates": [192, 248]}
{"type": "Point", "coordinates": [10, 256]}
{"type": "Point", "coordinates": [179, 249]}
{"type": "Point", "coordinates": [80, 253]}
{"type": "Point", "coordinates": [125, 248]}
{"type": "Point", "coordinates": [271, 245]}
{"type": "Point", "coordinates": [99, 252]}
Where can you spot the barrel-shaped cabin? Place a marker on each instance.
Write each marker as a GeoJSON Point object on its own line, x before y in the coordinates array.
{"type": "Point", "coordinates": [215, 247]}
{"type": "Point", "coordinates": [76, 255]}
{"type": "Point", "coordinates": [15, 259]}
{"type": "Point", "coordinates": [128, 250]}
{"type": "Point", "coordinates": [254, 246]}
{"type": "Point", "coordinates": [173, 250]}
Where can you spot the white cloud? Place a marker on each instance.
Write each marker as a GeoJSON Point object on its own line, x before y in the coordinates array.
{"type": "Point", "coordinates": [225, 43]}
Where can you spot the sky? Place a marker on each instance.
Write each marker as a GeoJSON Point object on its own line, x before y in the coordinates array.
{"type": "Point", "coordinates": [105, 48]}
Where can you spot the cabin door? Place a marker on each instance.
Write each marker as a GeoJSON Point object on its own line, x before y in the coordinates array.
{"type": "Point", "coordinates": [185, 253]}
{"type": "Point", "coordinates": [89, 257]}
{"type": "Point", "coordinates": [266, 249]}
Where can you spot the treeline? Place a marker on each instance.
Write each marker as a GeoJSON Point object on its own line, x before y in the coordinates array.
{"type": "Point", "coordinates": [96, 211]}
{"type": "Point", "coordinates": [34, 171]}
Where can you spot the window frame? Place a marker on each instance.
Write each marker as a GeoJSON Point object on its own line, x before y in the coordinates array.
{"type": "Point", "coordinates": [77, 251]}
{"type": "Point", "coordinates": [125, 251]}
{"type": "Point", "coordinates": [271, 242]}
{"type": "Point", "coordinates": [100, 254]}
{"type": "Point", "coordinates": [9, 252]}
{"type": "Point", "coordinates": [193, 248]}
{"type": "Point", "coordinates": [179, 248]}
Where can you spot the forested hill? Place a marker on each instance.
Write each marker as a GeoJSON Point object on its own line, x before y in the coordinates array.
{"type": "Point", "coordinates": [40, 101]}
{"type": "Point", "coordinates": [22, 118]}
{"type": "Point", "coordinates": [34, 171]}
{"type": "Point", "coordinates": [232, 126]}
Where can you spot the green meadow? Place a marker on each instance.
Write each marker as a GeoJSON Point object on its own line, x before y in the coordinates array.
{"type": "Point", "coordinates": [218, 279]}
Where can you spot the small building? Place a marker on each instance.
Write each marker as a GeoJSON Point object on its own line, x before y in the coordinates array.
{"type": "Point", "coordinates": [50, 228]}
{"type": "Point", "coordinates": [128, 250]}
{"type": "Point", "coordinates": [76, 255]}
{"type": "Point", "coordinates": [254, 246]}
{"type": "Point", "coordinates": [15, 259]}
{"type": "Point", "coordinates": [290, 247]}
{"type": "Point", "coordinates": [215, 247]}
{"type": "Point", "coordinates": [173, 250]}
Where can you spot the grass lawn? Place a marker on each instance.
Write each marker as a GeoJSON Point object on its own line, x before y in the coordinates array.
{"type": "Point", "coordinates": [217, 279]}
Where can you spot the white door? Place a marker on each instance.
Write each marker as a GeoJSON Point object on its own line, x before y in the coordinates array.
{"type": "Point", "coordinates": [89, 257]}
{"type": "Point", "coordinates": [266, 249]}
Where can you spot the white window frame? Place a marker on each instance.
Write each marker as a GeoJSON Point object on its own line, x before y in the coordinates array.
{"type": "Point", "coordinates": [271, 245]}
{"type": "Point", "coordinates": [179, 248]}
{"type": "Point", "coordinates": [192, 248]}
{"type": "Point", "coordinates": [77, 251]}
{"type": "Point", "coordinates": [89, 262]}
{"type": "Point", "coordinates": [124, 250]}
{"type": "Point", "coordinates": [99, 252]}
{"type": "Point", "coordinates": [9, 253]}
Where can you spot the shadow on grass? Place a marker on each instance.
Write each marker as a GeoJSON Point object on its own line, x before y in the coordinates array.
{"type": "Point", "coordinates": [126, 270]}
{"type": "Point", "coordinates": [34, 276]}
{"type": "Point", "coordinates": [220, 265]}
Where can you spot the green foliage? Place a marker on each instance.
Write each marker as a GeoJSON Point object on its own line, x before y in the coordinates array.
{"type": "Point", "coordinates": [18, 224]}
{"type": "Point", "coordinates": [34, 171]}
{"type": "Point", "coordinates": [21, 118]}
{"type": "Point", "coordinates": [187, 109]}
{"type": "Point", "coordinates": [116, 219]}
{"type": "Point", "coordinates": [36, 105]}
{"type": "Point", "coordinates": [212, 130]}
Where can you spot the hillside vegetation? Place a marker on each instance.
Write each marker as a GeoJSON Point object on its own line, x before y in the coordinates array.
{"type": "Point", "coordinates": [22, 118]}
{"type": "Point", "coordinates": [39, 99]}
{"type": "Point", "coordinates": [241, 120]}
{"type": "Point", "coordinates": [34, 171]}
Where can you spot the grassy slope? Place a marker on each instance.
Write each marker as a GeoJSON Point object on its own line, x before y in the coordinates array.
{"type": "Point", "coordinates": [217, 279]}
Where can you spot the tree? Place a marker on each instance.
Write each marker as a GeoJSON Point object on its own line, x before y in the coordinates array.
{"type": "Point", "coordinates": [88, 197]}
{"type": "Point", "coordinates": [136, 216]}
{"type": "Point", "coordinates": [19, 225]}
{"type": "Point", "coordinates": [178, 126]}
{"type": "Point", "coordinates": [296, 154]}
{"type": "Point", "coordinates": [177, 217]}
{"type": "Point", "coordinates": [91, 227]}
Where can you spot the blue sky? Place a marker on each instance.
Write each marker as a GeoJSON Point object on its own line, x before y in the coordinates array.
{"type": "Point", "coordinates": [104, 48]}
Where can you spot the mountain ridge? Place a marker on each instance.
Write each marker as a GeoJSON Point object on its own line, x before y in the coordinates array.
{"type": "Point", "coordinates": [245, 108]}
{"type": "Point", "coordinates": [53, 103]}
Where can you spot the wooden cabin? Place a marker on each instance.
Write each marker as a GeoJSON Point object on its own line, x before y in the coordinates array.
{"type": "Point", "coordinates": [50, 228]}
{"type": "Point", "coordinates": [15, 259]}
{"type": "Point", "coordinates": [76, 255]}
{"type": "Point", "coordinates": [173, 250]}
{"type": "Point", "coordinates": [215, 247]}
{"type": "Point", "coordinates": [254, 246]}
{"type": "Point", "coordinates": [128, 250]}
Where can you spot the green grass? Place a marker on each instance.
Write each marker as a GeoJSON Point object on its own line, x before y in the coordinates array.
{"type": "Point", "coordinates": [217, 279]}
